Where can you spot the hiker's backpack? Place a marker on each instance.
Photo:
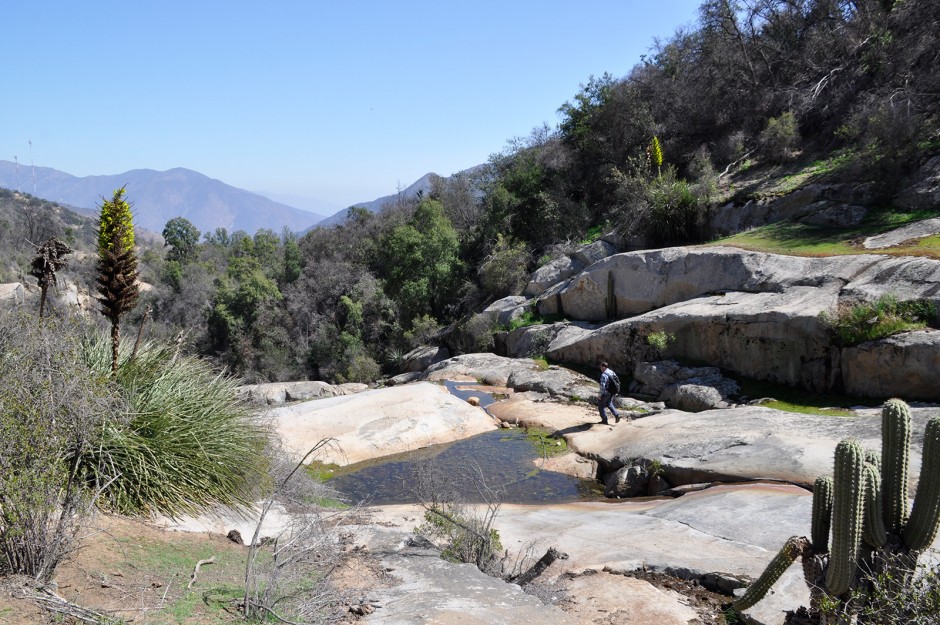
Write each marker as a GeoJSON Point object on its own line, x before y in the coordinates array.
{"type": "Point", "coordinates": [613, 383]}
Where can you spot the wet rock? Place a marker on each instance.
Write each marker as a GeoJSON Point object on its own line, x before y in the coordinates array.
{"type": "Point", "coordinates": [627, 482]}
{"type": "Point", "coordinates": [657, 485]}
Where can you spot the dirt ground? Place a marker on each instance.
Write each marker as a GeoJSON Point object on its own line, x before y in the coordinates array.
{"type": "Point", "coordinates": [133, 572]}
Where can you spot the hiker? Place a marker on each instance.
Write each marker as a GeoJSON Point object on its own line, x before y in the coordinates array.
{"type": "Point", "coordinates": [610, 386]}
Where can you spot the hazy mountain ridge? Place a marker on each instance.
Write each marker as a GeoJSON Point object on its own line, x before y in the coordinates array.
{"type": "Point", "coordinates": [160, 196]}
{"type": "Point", "coordinates": [422, 185]}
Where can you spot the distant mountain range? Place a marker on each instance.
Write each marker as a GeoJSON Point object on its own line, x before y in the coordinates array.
{"type": "Point", "coordinates": [159, 196]}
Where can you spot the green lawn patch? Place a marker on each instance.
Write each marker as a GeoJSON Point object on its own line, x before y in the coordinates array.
{"type": "Point", "coordinates": [806, 240]}
{"type": "Point", "coordinates": [800, 401]}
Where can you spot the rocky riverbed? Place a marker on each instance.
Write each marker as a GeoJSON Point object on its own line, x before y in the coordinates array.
{"type": "Point", "coordinates": [741, 472]}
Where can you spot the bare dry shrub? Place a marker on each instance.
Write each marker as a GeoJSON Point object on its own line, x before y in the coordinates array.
{"type": "Point", "coordinates": [287, 577]}
{"type": "Point", "coordinates": [52, 408]}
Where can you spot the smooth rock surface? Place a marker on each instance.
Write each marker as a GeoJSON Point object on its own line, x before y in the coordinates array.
{"type": "Point", "coordinates": [379, 422]}
{"type": "Point", "coordinates": [747, 442]}
{"type": "Point", "coordinates": [908, 361]}
{"type": "Point", "coordinates": [917, 230]}
{"type": "Point", "coordinates": [276, 393]}
{"type": "Point", "coordinates": [428, 589]}
{"type": "Point", "coordinates": [421, 358]}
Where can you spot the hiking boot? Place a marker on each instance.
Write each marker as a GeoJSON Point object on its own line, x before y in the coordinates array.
{"type": "Point", "coordinates": [617, 419]}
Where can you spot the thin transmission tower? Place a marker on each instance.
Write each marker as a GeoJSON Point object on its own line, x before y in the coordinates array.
{"type": "Point", "coordinates": [16, 162]}
{"type": "Point", "coordinates": [32, 166]}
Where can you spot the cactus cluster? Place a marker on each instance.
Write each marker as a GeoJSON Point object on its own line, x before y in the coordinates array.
{"type": "Point", "coordinates": [865, 505]}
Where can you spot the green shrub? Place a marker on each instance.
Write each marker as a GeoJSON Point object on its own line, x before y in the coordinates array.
{"type": "Point", "coordinates": [659, 341]}
{"type": "Point", "coordinates": [673, 209]}
{"type": "Point", "coordinates": [188, 441]}
{"type": "Point", "coordinates": [467, 539]}
{"type": "Point", "coordinates": [531, 318]}
{"type": "Point", "coordinates": [886, 316]}
{"type": "Point", "coordinates": [503, 272]}
{"type": "Point", "coordinates": [780, 138]}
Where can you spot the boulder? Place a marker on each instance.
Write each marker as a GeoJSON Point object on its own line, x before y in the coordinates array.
{"type": "Point", "coordinates": [902, 365]}
{"type": "Point", "coordinates": [916, 230]}
{"type": "Point", "coordinates": [379, 422]}
{"type": "Point", "coordinates": [752, 313]}
{"type": "Point", "coordinates": [770, 336]}
{"type": "Point", "coordinates": [551, 274]}
{"type": "Point", "coordinates": [636, 282]}
{"type": "Point", "coordinates": [563, 268]}
{"type": "Point", "coordinates": [486, 368]}
{"type": "Point", "coordinates": [732, 218]}
{"type": "Point", "coordinates": [421, 358]}
{"type": "Point", "coordinates": [554, 381]}
{"type": "Point", "coordinates": [627, 482]}
{"type": "Point", "coordinates": [276, 393]}
{"type": "Point", "coordinates": [692, 397]}
{"type": "Point", "coordinates": [742, 443]}
{"type": "Point", "coordinates": [404, 378]}
{"type": "Point", "coordinates": [11, 294]}
{"type": "Point", "coordinates": [686, 388]}
{"type": "Point", "coordinates": [506, 309]}
{"type": "Point", "coordinates": [923, 189]}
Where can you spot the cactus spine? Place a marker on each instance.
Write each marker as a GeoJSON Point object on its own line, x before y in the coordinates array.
{"type": "Point", "coordinates": [895, 443]}
{"type": "Point", "coordinates": [847, 506]}
{"type": "Point", "coordinates": [795, 546]}
{"type": "Point", "coordinates": [925, 517]}
{"type": "Point", "coordinates": [822, 514]}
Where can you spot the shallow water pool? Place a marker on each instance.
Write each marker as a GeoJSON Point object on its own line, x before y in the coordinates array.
{"type": "Point", "coordinates": [501, 460]}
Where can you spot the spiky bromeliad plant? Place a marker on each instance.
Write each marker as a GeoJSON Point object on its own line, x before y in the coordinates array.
{"type": "Point", "coordinates": [873, 532]}
{"type": "Point", "coordinates": [187, 442]}
{"type": "Point", "coordinates": [117, 265]}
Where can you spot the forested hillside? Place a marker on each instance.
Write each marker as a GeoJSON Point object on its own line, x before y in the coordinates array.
{"type": "Point", "coordinates": [762, 87]}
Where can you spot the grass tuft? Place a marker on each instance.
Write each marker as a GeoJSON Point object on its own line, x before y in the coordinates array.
{"type": "Point", "coordinates": [187, 441]}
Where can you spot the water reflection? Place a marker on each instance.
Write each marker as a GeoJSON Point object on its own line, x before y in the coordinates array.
{"type": "Point", "coordinates": [504, 458]}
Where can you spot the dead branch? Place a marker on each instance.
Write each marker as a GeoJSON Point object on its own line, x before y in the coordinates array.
{"type": "Point", "coordinates": [734, 164]}
{"type": "Point", "coordinates": [539, 567]}
{"type": "Point", "coordinates": [192, 578]}
{"type": "Point", "coordinates": [52, 602]}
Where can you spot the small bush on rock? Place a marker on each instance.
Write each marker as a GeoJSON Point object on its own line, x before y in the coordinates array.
{"type": "Point", "coordinates": [886, 316]}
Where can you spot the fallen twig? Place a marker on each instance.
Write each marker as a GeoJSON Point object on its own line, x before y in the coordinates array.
{"type": "Point", "coordinates": [192, 578]}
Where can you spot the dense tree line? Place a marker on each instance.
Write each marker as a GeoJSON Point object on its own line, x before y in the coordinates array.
{"type": "Point", "coordinates": [771, 82]}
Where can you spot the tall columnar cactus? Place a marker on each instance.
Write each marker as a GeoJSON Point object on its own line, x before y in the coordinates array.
{"type": "Point", "coordinates": [875, 534]}
{"type": "Point", "coordinates": [847, 507]}
{"type": "Point", "coordinates": [822, 514]}
{"type": "Point", "coordinates": [793, 548]}
{"type": "Point", "coordinates": [895, 442]}
{"type": "Point", "coordinates": [856, 504]}
{"type": "Point", "coordinates": [925, 517]}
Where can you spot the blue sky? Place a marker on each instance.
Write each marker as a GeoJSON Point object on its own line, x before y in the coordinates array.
{"type": "Point", "coordinates": [339, 101]}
